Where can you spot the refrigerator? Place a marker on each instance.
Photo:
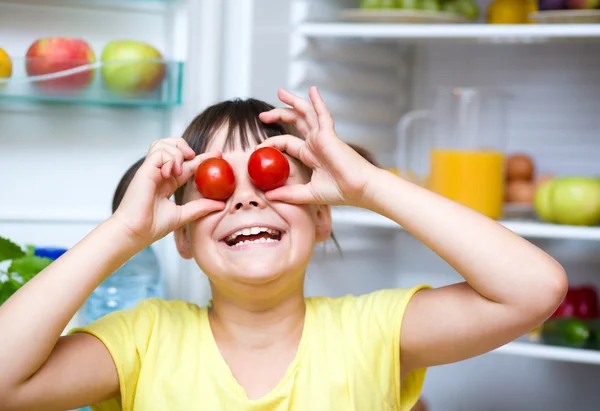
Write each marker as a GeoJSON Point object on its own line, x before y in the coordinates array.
{"type": "Point", "coordinates": [63, 160]}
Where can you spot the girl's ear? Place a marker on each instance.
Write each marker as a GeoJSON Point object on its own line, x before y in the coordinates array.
{"type": "Point", "coordinates": [183, 242]}
{"type": "Point", "coordinates": [322, 223]}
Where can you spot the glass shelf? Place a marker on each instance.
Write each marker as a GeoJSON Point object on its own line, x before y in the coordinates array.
{"type": "Point", "coordinates": [158, 83]}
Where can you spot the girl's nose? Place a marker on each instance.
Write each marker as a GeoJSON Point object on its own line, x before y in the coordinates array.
{"type": "Point", "coordinates": [246, 196]}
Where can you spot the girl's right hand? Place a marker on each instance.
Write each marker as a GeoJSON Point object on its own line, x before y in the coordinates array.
{"type": "Point", "coordinates": [146, 211]}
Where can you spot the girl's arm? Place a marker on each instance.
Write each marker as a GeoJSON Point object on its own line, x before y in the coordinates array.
{"type": "Point", "coordinates": [36, 371]}
{"type": "Point", "coordinates": [39, 370]}
{"type": "Point", "coordinates": [511, 286]}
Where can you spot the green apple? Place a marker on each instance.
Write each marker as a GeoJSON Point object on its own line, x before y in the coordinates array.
{"type": "Point", "coordinates": [542, 202]}
{"type": "Point", "coordinates": [370, 4]}
{"type": "Point", "coordinates": [410, 4]}
{"type": "Point", "coordinates": [468, 8]}
{"type": "Point", "coordinates": [569, 200]}
{"type": "Point", "coordinates": [451, 6]}
{"type": "Point", "coordinates": [431, 5]}
{"type": "Point", "coordinates": [132, 67]}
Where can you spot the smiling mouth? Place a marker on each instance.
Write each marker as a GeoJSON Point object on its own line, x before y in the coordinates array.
{"type": "Point", "coordinates": [253, 235]}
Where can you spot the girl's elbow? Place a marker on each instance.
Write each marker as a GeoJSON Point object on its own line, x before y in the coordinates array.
{"type": "Point", "coordinates": [552, 290]}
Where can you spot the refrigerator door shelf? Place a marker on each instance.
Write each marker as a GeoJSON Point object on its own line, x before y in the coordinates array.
{"type": "Point", "coordinates": [137, 83]}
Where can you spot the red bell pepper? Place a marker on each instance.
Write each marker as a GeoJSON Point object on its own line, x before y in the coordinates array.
{"type": "Point", "coordinates": [580, 302]}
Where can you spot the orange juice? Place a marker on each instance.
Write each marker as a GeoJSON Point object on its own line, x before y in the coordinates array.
{"type": "Point", "coordinates": [474, 178]}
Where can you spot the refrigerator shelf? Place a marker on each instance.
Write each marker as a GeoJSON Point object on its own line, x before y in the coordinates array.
{"type": "Point", "coordinates": [526, 228]}
{"type": "Point", "coordinates": [548, 352]}
{"type": "Point", "coordinates": [73, 83]}
{"type": "Point", "coordinates": [136, 5]}
{"type": "Point", "coordinates": [526, 33]}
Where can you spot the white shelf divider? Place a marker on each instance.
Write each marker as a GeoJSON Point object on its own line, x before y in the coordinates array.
{"type": "Point", "coordinates": [547, 352]}
{"type": "Point", "coordinates": [483, 32]}
{"type": "Point", "coordinates": [345, 216]}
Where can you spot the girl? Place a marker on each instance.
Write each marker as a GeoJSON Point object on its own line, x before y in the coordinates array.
{"type": "Point", "coordinates": [260, 345]}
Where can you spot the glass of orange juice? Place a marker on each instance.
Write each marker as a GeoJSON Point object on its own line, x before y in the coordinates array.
{"type": "Point", "coordinates": [463, 157]}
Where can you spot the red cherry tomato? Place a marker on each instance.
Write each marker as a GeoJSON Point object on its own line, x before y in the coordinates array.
{"type": "Point", "coordinates": [215, 179]}
{"type": "Point", "coordinates": [268, 168]}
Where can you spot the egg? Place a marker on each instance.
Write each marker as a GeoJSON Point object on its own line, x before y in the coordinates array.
{"type": "Point", "coordinates": [519, 191]}
{"type": "Point", "coordinates": [519, 167]}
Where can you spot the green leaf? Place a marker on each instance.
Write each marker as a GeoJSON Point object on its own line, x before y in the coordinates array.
{"type": "Point", "coordinates": [16, 283]}
{"type": "Point", "coordinates": [9, 250]}
{"type": "Point", "coordinates": [7, 289]}
{"type": "Point", "coordinates": [27, 267]}
{"type": "Point", "coordinates": [29, 249]}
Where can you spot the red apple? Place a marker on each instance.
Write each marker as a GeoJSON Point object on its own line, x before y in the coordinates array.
{"type": "Point", "coordinates": [53, 55]}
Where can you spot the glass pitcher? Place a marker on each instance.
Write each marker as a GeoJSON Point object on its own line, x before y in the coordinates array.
{"type": "Point", "coordinates": [464, 155]}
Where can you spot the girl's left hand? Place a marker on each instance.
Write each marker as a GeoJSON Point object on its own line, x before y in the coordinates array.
{"type": "Point", "coordinates": [339, 174]}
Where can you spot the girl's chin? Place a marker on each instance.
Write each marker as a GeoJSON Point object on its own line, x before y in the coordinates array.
{"type": "Point", "coordinates": [255, 274]}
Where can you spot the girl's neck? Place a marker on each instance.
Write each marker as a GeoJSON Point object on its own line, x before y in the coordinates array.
{"type": "Point", "coordinates": [256, 321]}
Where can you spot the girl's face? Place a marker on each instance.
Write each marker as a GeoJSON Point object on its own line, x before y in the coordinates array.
{"type": "Point", "coordinates": [253, 241]}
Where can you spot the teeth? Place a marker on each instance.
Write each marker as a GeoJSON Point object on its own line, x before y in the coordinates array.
{"type": "Point", "coordinates": [259, 241]}
{"type": "Point", "coordinates": [251, 231]}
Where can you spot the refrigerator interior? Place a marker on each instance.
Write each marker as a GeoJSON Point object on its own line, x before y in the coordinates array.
{"type": "Point", "coordinates": [64, 162]}
{"type": "Point", "coordinates": [369, 80]}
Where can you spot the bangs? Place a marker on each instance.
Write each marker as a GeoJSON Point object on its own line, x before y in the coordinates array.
{"type": "Point", "coordinates": [244, 128]}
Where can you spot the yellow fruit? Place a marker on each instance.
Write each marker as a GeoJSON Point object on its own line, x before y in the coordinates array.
{"type": "Point", "coordinates": [508, 12]}
{"type": "Point", "coordinates": [531, 8]}
{"type": "Point", "coordinates": [5, 65]}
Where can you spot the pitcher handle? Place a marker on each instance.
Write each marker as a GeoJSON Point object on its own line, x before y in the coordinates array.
{"type": "Point", "coordinates": [403, 144]}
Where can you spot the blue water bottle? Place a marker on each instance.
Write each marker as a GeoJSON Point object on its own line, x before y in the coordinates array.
{"type": "Point", "coordinates": [136, 280]}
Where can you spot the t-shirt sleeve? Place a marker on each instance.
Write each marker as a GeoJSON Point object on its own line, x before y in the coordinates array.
{"type": "Point", "coordinates": [126, 335]}
{"type": "Point", "coordinates": [380, 314]}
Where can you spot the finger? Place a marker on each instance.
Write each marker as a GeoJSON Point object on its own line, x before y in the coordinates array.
{"type": "Point", "coordinates": [168, 160]}
{"type": "Point", "coordinates": [190, 166]}
{"type": "Point", "coordinates": [302, 106]}
{"type": "Point", "coordinates": [198, 208]}
{"type": "Point", "coordinates": [323, 114]}
{"type": "Point", "coordinates": [285, 115]}
{"type": "Point", "coordinates": [181, 144]}
{"type": "Point", "coordinates": [293, 194]}
{"type": "Point", "coordinates": [178, 156]}
{"type": "Point", "coordinates": [158, 159]}
{"type": "Point", "coordinates": [286, 143]}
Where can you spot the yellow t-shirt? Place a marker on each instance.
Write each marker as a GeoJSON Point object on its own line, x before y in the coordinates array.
{"type": "Point", "coordinates": [348, 358]}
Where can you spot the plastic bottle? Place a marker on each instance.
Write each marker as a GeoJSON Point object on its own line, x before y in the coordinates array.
{"type": "Point", "coordinates": [138, 279]}
{"type": "Point", "coordinates": [49, 252]}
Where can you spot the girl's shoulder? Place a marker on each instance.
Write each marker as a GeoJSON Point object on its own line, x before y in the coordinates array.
{"type": "Point", "coordinates": [162, 307]}
{"type": "Point", "coordinates": [154, 316]}
{"type": "Point", "coordinates": [375, 300]}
